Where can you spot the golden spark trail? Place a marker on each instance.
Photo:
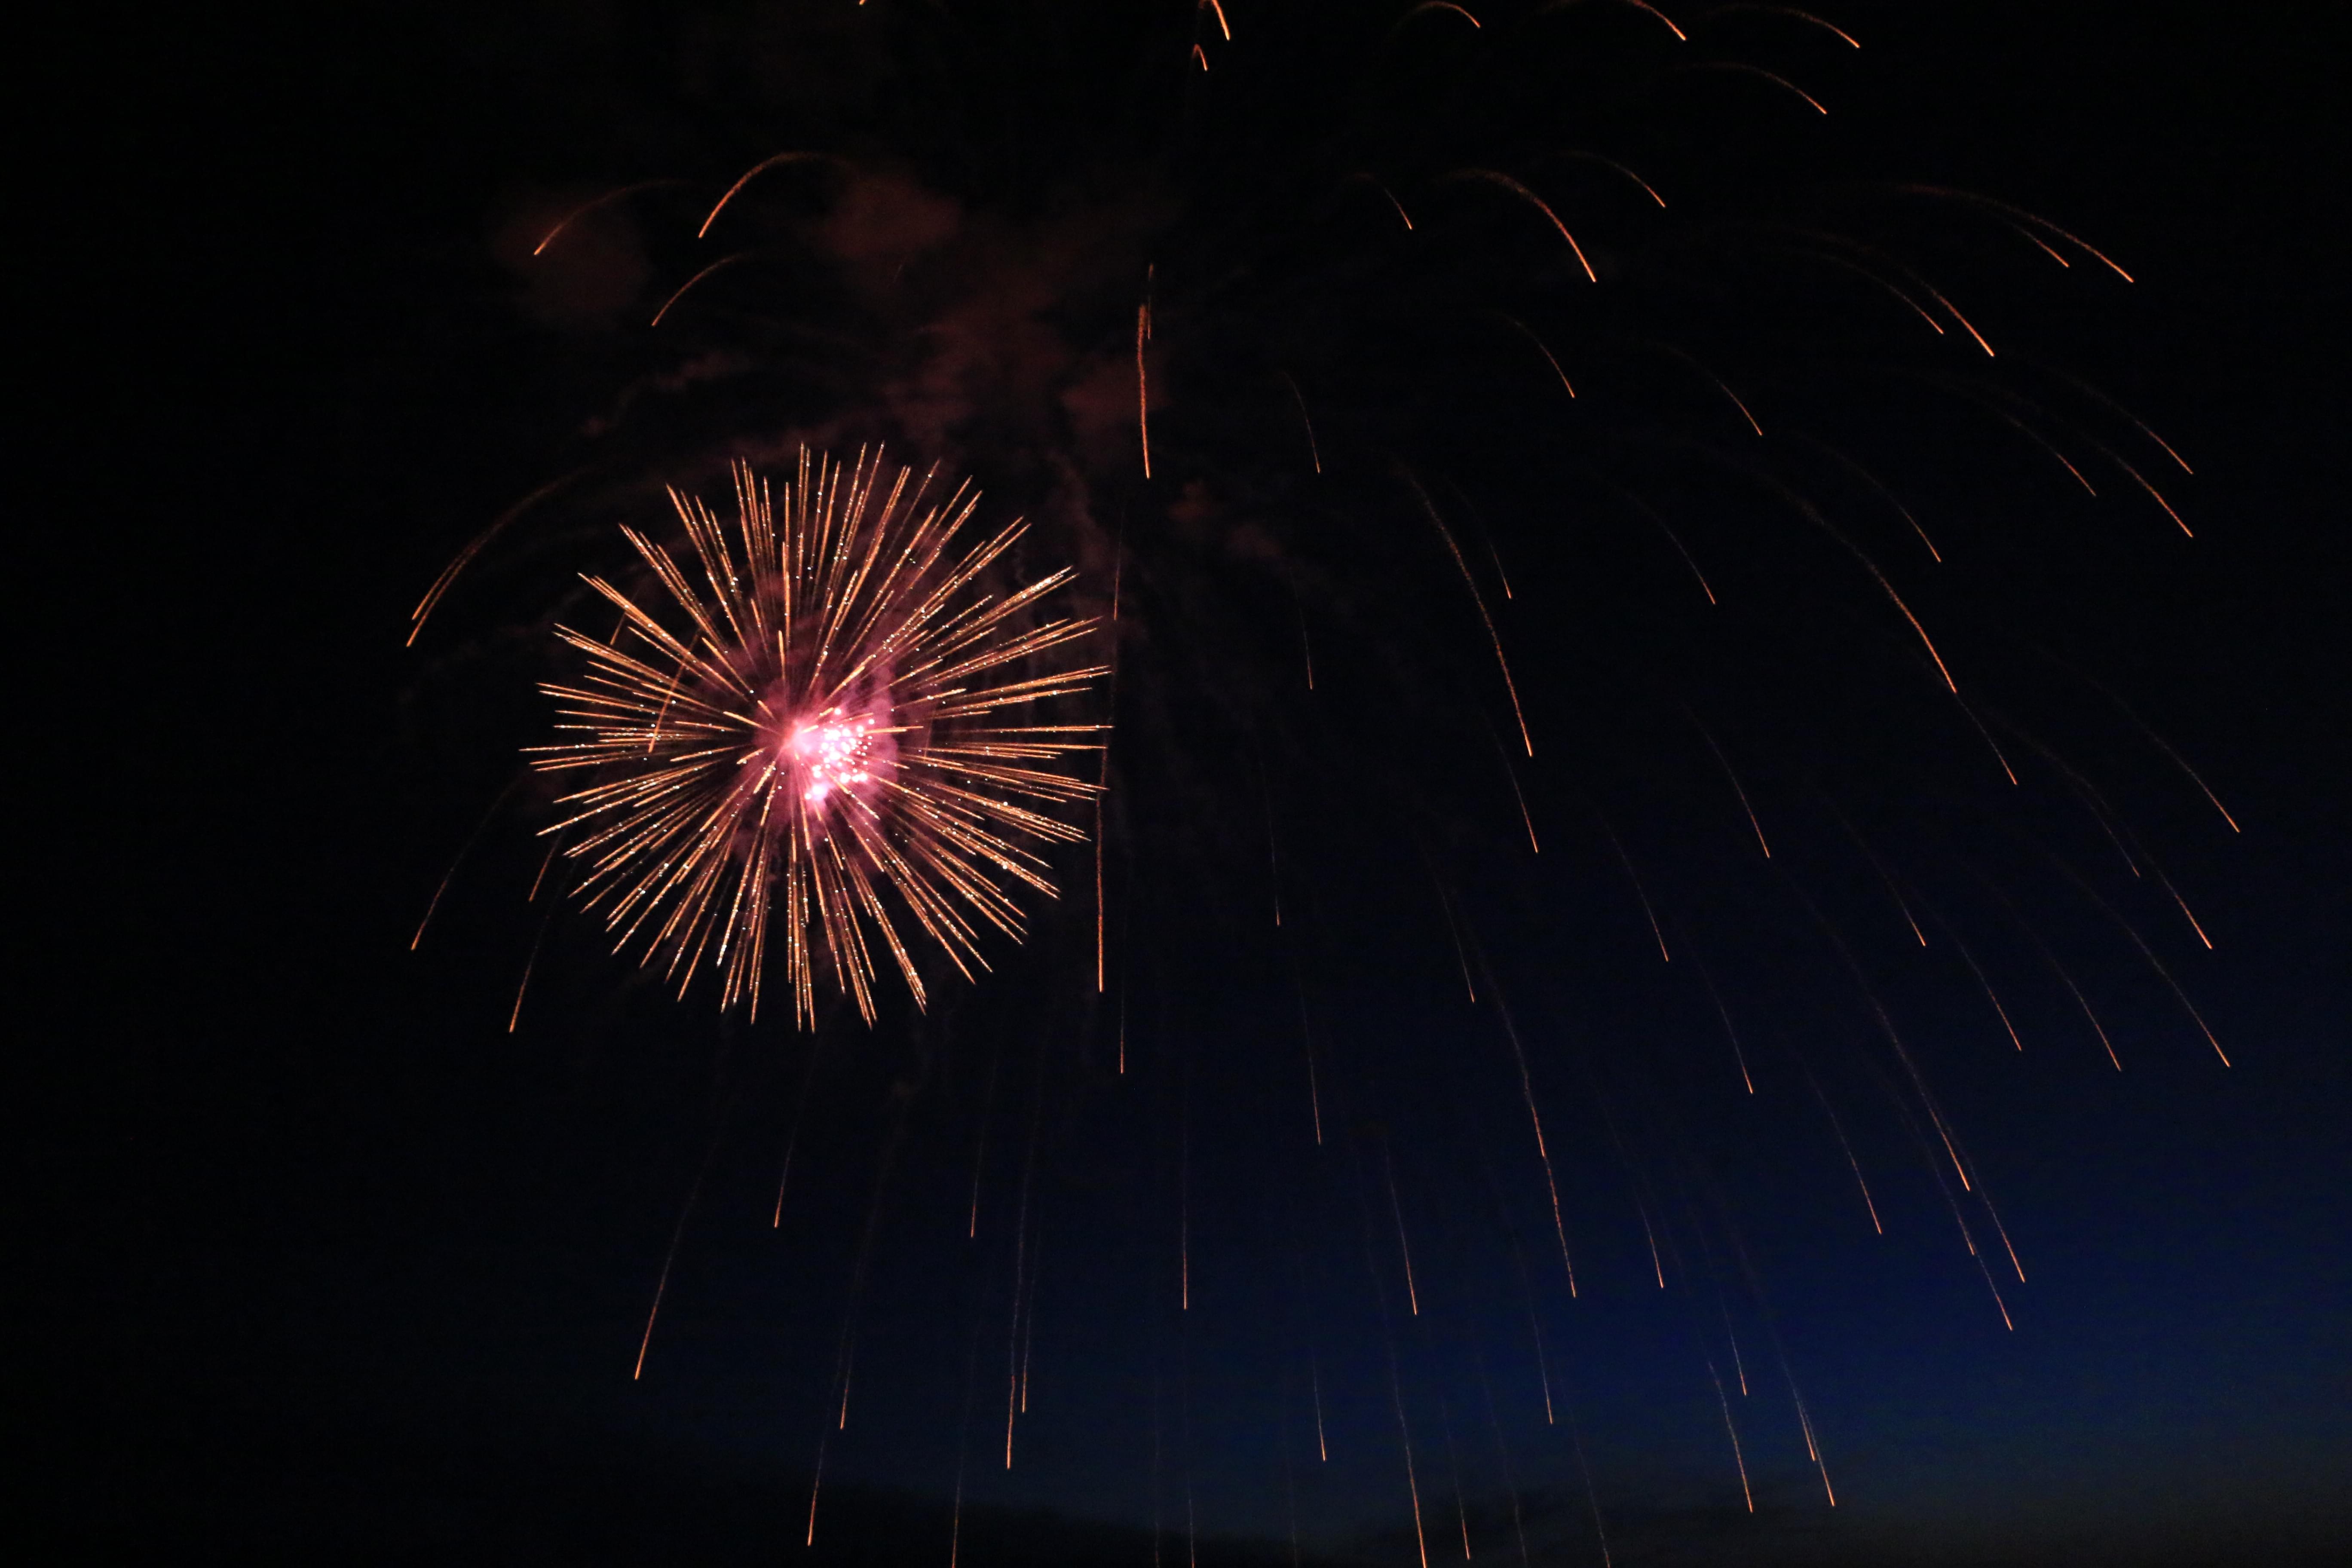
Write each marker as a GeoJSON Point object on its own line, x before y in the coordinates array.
{"type": "Point", "coordinates": [1728, 1032]}
{"type": "Point", "coordinates": [529, 963]}
{"type": "Point", "coordinates": [772, 161]}
{"type": "Point", "coordinates": [1737, 1458]}
{"type": "Point", "coordinates": [1535, 1119]}
{"type": "Point", "coordinates": [1396, 1207]}
{"type": "Point", "coordinates": [1639, 891]}
{"type": "Point", "coordinates": [1142, 337]}
{"type": "Point", "coordinates": [1725, 762]}
{"type": "Point", "coordinates": [2149, 954]}
{"type": "Point", "coordinates": [1503, 181]}
{"type": "Point", "coordinates": [1839, 1128]}
{"type": "Point", "coordinates": [585, 208]}
{"type": "Point", "coordinates": [1314, 452]}
{"type": "Point", "coordinates": [1977, 970]}
{"type": "Point", "coordinates": [1478, 599]}
{"type": "Point", "coordinates": [722, 262]}
{"type": "Point", "coordinates": [661, 1287]}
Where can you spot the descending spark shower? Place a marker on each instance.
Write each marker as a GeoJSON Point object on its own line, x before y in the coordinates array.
{"type": "Point", "coordinates": [1445, 450]}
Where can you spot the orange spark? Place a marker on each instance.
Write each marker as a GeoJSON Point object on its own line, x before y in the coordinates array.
{"type": "Point", "coordinates": [1504, 182]}
{"type": "Point", "coordinates": [774, 160]}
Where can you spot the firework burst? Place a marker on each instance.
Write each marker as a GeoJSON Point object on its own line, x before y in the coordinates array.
{"type": "Point", "coordinates": [802, 737]}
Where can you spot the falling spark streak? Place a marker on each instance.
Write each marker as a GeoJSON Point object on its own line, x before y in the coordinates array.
{"type": "Point", "coordinates": [1509, 686]}
{"type": "Point", "coordinates": [456, 860]}
{"type": "Point", "coordinates": [2019, 214]}
{"type": "Point", "coordinates": [1657, 1264]}
{"type": "Point", "coordinates": [1737, 1457]}
{"type": "Point", "coordinates": [1830, 28]}
{"type": "Point", "coordinates": [585, 208]}
{"type": "Point", "coordinates": [1859, 270]}
{"type": "Point", "coordinates": [1142, 337]}
{"type": "Point", "coordinates": [2185, 912]}
{"type": "Point", "coordinates": [1403, 217]}
{"type": "Point", "coordinates": [2149, 954]}
{"type": "Point", "coordinates": [814, 1488]}
{"type": "Point", "coordinates": [1502, 1449]}
{"type": "Point", "coordinates": [776, 160]}
{"type": "Point", "coordinates": [1639, 892]}
{"type": "Point", "coordinates": [1396, 1379]}
{"type": "Point", "coordinates": [1396, 1207]}
{"type": "Point", "coordinates": [805, 742]}
{"type": "Point", "coordinates": [1535, 1119]}
{"type": "Point", "coordinates": [845, 1348]}
{"type": "Point", "coordinates": [1680, 37]}
{"type": "Point", "coordinates": [1528, 332]}
{"type": "Point", "coordinates": [1452, 929]}
{"type": "Point", "coordinates": [1672, 538]}
{"type": "Point", "coordinates": [1273, 844]}
{"type": "Point", "coordinates": [792, 1142]}
{"type": "Point", "coordinates": [1991, 745]}
{"type": "Point", "coordinates": [1576, 1437]}
{"type": "Point", "coordinates": [661, 1287]}
{"type": "Point", "coordinates": [2154, 494]}
{"type": "Point", "coordinates": [2001, 1231]}
{"type": "Point", "coordinates": [1723, 1306]}
{"type": "Point", "coordinates": [1968, 1239]}
{"type": "Point", "coordinates": [1013, 1397]}
{"type": "Point", "coordinates": [1439, 5]}
{"type": "Point", "coordinates": [1805, 1424]}
{"type": "Point", "coordinates": [1984, 983]}
{"type": "Point", "coordinates": [473, 547]}
{"type": "Point", "coordinates": [1647, 189]}
{"type": "Point", "coordinates": [1504, 182]}
{"type": "Point", "coordinates": [533, 897]}
{"type": "Point", "coordinates": [1728, 1032]}
{"type": "Point", "coordinates": [529, 963]}
{"type": "Point", "coordinates": [1184, 1191]}
{"type": "Point", "coordinates": [1884, 879]}
{"type": "Point", "coordinates": [1742, 69]}
{"type": "Point", "coordinates": [979, 1143]}
{"type": "Point", "coordinates": [1453, 1473]}
{"type": "Point", "coordinates": [1725, 762]}
{"type": "Point", "coordinates": [1839, 1128]}
{"type": "Point", "coordinates": [1520, 796]}
{"type": "Point", "coordinates": [1029, 1331]}
{"type": "Point", "coordinates": [2161, 743]}
{"type": "Point", "coordinates": [1314, 452]}
{"type": "Point", "coordinates": [674, 298]}
{"type": "Point", "coordinates": [963, 1431]}
{"type": "Point", "coordinates": [2080, 1001]}
{"type": "Point", "coordinates": [1305, 646]}
{"type": "Point", "coordinates": [1887, 1027]}
{"type": "Point", "coordinates": [1315, 1382]}
{"type": "Point", "coordinates": [1306, 1038]}
{"type": "Point", "coordinates": [1102, 783]}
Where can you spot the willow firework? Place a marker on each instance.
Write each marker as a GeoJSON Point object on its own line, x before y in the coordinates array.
{"type": "Point", "coordinates": [803, 742]}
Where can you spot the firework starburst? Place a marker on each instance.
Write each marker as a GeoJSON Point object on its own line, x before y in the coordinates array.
{"type": "Point", "coordinates": [802, 737]}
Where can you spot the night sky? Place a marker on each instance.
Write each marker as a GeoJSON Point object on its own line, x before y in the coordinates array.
{"type": "Point", "coordinates": [316, 1260]}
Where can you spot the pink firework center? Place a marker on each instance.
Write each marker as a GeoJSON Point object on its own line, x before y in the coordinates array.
{"type": "Point", "coordinates": [830, 752]}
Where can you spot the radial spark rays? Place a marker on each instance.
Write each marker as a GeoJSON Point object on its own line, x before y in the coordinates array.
{"type": "Point", "coordinates": [800, 741]}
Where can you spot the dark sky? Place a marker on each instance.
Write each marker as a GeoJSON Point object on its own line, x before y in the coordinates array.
{"type": "Point", "coordinates": [323, 1263]}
